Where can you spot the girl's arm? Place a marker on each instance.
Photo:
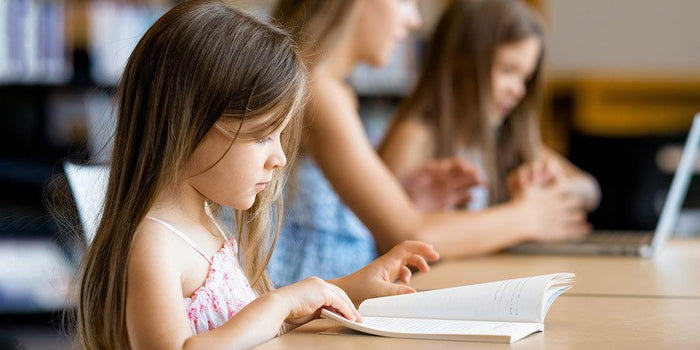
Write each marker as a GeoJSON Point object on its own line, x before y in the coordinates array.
{"type": "Point", "coordinates": [531, 211]}
{"type": "Point", "coordinates": [340, 146]}
{"type": "Point", "coordinates": [260, 320]}
{"type": "Point", "coordinates": [155, 313]}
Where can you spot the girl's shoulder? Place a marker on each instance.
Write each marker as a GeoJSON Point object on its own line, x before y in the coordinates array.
{"type": "Point", "coordinates": [415, 125]}
{"type": "Point", "coordinates": [411, 129]}
{"type": "Point", "coordinates": [328, 92]}
{"type": "Point", "coordinates": [153, 239]}
{"type": "Point", "coordinates": [155, 245]}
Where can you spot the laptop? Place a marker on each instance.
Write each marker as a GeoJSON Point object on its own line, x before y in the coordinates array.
{"type": "Point", "coordinates": [644, 244]}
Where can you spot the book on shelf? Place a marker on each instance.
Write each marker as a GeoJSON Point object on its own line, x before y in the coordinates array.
{"type": "Point", "coordinates": [501, 312]}
{"type": "Point", "coordinates": [33, 44]}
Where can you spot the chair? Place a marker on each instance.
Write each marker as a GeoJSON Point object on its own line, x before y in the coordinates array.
{"type": "Point", "coordinates": [88, 183]}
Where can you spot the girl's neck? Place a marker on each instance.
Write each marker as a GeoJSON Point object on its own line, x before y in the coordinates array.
{"type": "Point", "coordinates": [341, 59]}
{"type": "Point", "coordinates": [182, 202]}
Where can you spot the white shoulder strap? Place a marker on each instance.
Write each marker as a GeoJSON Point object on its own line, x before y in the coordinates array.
{"type": "Point", "coordinates": [182, 236]}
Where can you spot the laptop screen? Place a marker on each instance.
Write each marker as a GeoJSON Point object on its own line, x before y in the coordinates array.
{"type": "Point", "coordinates": [679, 188]}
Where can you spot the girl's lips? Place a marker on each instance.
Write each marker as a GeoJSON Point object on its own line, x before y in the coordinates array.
{"type": "Point", "coordinates": [261, 186]}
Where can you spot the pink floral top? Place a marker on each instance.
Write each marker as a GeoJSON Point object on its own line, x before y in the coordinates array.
{"type": "Point", "coordinates": [224, 293]}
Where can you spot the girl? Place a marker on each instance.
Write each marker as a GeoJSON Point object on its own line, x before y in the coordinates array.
{"type": "Point", "coordinates": [340, 167]}
{"type": "Point", "coordinates": [477, 99]}
{"type": "Point", "coordinates": [206, 111]}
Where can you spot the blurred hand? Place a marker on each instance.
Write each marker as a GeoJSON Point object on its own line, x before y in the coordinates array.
{"type": "Point", "coordinates": [306, 298]}
{"type": "Point", "coordinates": [552, 214]}
{"type": "Point", "coordinates": [388, 274]}
{"type": "Point", "coordinates": [442, 184]}
{"type": "Point", "coordinates": [540, 172]}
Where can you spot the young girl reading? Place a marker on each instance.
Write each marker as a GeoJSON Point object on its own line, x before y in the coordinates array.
{"type": "Point", "coordinates": [347, 205]}
{"type": "Point", "coordinates": [477, 99]}
{"type": "Point", "coordinates": [207, 108]}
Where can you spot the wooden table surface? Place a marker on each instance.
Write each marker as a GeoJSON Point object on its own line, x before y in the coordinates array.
{"type": "Point", "coordinates": [616, 303]}
{"type": "Point", "coordinates": [573, 322]}
{"type": "Point", "coordinates": [675, 272]}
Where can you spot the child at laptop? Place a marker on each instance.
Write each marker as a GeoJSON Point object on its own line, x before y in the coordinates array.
{"type": "Point", "coordinates": [477, 100]}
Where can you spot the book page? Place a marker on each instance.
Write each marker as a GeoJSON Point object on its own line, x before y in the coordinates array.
{"type": "Point", "coordinates": [440, 329]}
{"type": "Point", "coordinates": [515, 300]}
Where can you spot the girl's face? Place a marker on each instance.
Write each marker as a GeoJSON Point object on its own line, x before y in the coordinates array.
{"type": "Point", "coordinates": [244, 170]}
{"type": "Point", "coordinates": [513, 65]}
{"type": "Point", "coordinates": [380, 25]}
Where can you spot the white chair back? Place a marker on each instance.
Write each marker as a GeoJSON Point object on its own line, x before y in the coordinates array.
{"type": "Point", "coordinates": [88, 183]}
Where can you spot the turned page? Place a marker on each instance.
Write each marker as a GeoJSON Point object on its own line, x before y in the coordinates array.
{"type": "Point", "coordinates": [516, 300]}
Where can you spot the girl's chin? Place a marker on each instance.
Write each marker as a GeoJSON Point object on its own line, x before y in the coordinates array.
{"type": "Point", "coordinates": [380, 59]}
{"type": "Point", "coordinates": [377, 62]}
{"type": "Point", "coordinates": [496, 119]}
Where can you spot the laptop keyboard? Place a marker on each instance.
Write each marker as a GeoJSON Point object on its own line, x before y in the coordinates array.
{"type": "Point", "coordinates": [618, 237]}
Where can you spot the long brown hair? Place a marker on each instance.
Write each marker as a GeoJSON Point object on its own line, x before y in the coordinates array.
{"type": "Point", "coordinates": [201, 61]}
{"type": "Point", "coordinates": [455, 85]}
{"type": "Point", "coordinates": [314, 24]}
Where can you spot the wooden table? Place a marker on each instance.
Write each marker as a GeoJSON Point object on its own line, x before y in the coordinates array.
{"type": "Point", "coordinates": [572, 323]}
{"type": "Point", "coordinates": [675, 272]}
{"type": "Point", "coordinates": [617, 303]}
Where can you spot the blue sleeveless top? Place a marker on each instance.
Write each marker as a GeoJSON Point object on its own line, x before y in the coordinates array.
{"type": "Point", "coordinates": [320, 236]}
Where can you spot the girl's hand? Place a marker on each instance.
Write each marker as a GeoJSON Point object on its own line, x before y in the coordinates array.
{"type": "Point", "coordinates": [306, 298]}
{"type": "Point", "coordinates": [540, 172]}
{"type": "Point", "coordinates": [551, 213]}
{"type": "Point", "coordinates": [382, 276]}
{"type": "Point", "coordinates": [442, 184]}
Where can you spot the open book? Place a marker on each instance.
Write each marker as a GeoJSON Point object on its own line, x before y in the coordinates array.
{"type": "Point", "coordinates": [503, 311]}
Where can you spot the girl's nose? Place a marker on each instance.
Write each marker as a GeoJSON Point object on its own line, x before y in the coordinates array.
{"type": "Point", "coordinates": [518, 89]}
{"type": "Point", "coordinates": [415, 20]}
{"type": "Point", "coordinates": [278, 159]}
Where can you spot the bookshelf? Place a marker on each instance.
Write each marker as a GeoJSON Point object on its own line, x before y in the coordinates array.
{"type": "Point", "coordinates": [34, 43]}
{"type": "Point", "coordinates": [59, 63]}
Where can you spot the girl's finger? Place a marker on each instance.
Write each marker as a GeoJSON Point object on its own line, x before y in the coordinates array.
{"type": "Point", "coordinates": [407, 248]}
{"type": "Point", "coordinates": [341, 302]}
{"type": "Point", "coordinates": [342, 307]}
{"type": "Point", "coordinates": [405, 274]}
{"type": "Point", "coordinates": [419, 262]}
{"type": "Point", "coordinates": [403, 289]}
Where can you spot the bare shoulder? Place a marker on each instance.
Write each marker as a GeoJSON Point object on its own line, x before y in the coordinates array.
{"type": "Point", "coordinates": [412, 128]}
{"type": "Point", "coordinates": [331, 98]}
{"type": "Point", "coordinates": [408, 132]}
{"type": "Point", "coordinates": [334, 121]}
{"type": "Point", "coordinates": [407, 145]}
{"type": "Point", "coordinates": [154, 245]}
